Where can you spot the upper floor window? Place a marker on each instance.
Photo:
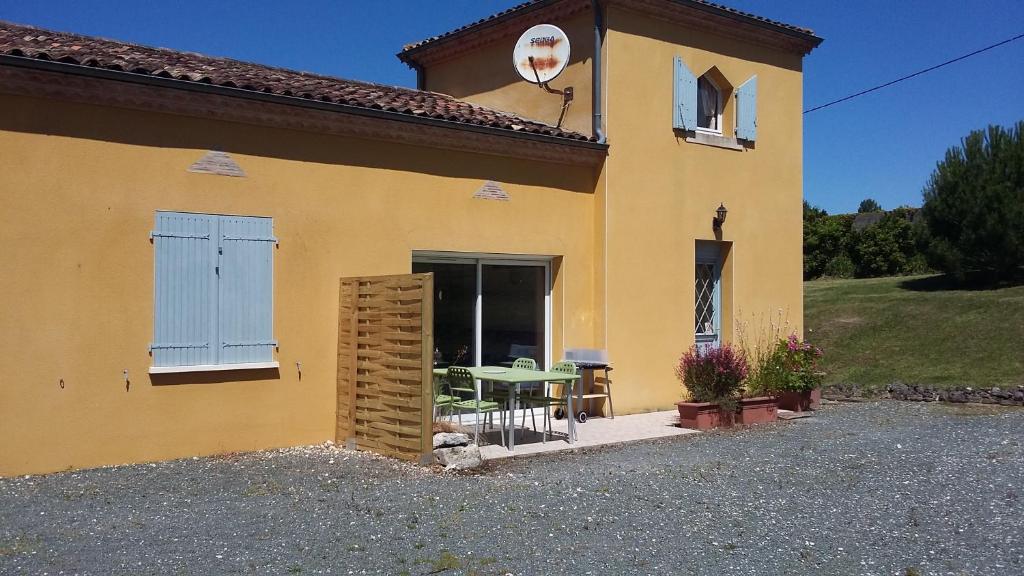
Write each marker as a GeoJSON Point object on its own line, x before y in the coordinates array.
{"type": "Point", "coordinates": [702, 105]}
{"type": "Point", "coordinates": [709, 105]}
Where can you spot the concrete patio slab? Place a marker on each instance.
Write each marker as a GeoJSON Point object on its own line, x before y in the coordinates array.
{"type": "Point", "coordinates": [595, 432]}
{"type": "Point", "coordinates": [790, 415]}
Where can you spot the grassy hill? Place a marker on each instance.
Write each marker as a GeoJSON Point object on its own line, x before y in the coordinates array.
{"type": "Point", "coordinates": [916, 330]}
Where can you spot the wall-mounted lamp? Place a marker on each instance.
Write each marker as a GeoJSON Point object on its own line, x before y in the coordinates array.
{"type": "Point", "coordinates": [719, 218]}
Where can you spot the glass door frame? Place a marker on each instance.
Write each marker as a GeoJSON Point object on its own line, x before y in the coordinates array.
{"type": "Point", "coordinates": [483, 259]}
{"type": "Point", "coordinates": [710, 254]}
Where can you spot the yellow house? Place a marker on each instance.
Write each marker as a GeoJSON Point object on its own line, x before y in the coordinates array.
{"type": "Point", "coordinates": [176, 224]}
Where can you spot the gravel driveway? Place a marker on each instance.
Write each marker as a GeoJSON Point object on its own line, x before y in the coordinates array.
{"type": "Point", "coordinates": [880, 488]}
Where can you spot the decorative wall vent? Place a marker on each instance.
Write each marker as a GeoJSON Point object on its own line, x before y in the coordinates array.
{"type": "Point", "coordinates": [217, 162]}
{"type": "Point", "coordinates": [491, 190]}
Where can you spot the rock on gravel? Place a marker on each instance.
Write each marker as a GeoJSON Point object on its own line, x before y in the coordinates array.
{"type": "Point", "coordinates": [449, 439]}
{"type": "Point", "coordinates": [880, 488]}
{"type": "Point", "coordinates": [459, 457]}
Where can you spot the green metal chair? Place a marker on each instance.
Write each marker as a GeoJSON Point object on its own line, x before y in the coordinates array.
{"type": "Point", "coordinates": [525, 363]}
{"type": "Point", "coordinates": [529, 389]}
{"type": "Point", "coordinates": [443, 397]}
{"type": "Point", "coordinates": [549, 400]}
{"type": "Point", "coordinates": [502, 395]}
{"type": "Point", "coordinates": [461, 380]}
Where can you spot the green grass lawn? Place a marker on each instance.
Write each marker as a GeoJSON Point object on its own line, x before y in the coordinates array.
{"type": "Point", "coordinates": [916, 330]}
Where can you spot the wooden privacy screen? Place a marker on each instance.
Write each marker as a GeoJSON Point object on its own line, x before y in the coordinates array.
{"type": "Point", "coordinates": [385, 362]}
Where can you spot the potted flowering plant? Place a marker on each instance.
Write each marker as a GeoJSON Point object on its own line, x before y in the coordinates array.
{"type": "Point", "coordinates": [712, 377]}
{"type": "Point", "coordinates": [756, 408]}
{"type": "Point", "coordinates": [798, 378]}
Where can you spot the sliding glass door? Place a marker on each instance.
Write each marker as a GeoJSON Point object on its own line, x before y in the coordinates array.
{"type": "Point", "coordinates": [513, 323]}
{"type": "Point", "coordinates": [489, 311]}
{"type": "Point", "coordinates": [455, 288]}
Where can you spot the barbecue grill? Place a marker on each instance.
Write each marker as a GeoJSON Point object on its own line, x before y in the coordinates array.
{"type": "Point", "coordinates": [589, 361]}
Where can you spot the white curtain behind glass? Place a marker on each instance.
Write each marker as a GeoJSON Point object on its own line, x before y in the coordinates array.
{"type": "Point", "coordinates": [707, 104]}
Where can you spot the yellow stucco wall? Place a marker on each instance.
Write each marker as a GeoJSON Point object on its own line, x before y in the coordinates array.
{"type": "Point", "coordinates": [657, 193]}
{"type": "Point", "coordinates": [662, 193]}
{"type": "Point", "coordinates": [486, 76]}
{"type": "Point", "coordinates": [80, 185]}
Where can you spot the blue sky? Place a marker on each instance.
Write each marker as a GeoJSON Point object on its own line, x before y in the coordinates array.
{"type": "Point", "coordinates": [883, 145]}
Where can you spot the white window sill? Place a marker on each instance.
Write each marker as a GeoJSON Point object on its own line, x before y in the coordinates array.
{"type": "Point", "coordinates": [213, 367]}
{"type": "Point", "coordinates": [715, 140]}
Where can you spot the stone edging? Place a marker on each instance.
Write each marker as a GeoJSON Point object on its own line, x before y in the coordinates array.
{"type": "Point", "coordinates": [923, 393]}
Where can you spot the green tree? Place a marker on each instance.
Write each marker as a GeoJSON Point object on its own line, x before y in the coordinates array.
{"type": "Point", "coordinates": [812, 212]}
{"type": "Point", "coordinates": [869, 205]}
{"type": "Point", "coordinates": [825, 242]}
{"type": "Point", "coordinates": [973, 211]}
{"type": "Point", "coordinates": [884, 249]}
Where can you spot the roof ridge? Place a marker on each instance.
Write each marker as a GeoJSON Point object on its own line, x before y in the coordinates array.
{"type": "Point", "coordinates": [407, 49]}
{"type": "Point", "coordinates": [173, 51]}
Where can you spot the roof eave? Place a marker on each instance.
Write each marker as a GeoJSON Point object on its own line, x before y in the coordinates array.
{"type": "Point", "coordinates": [408, 55]}
{"type": "Point", "coordinates": [807, 36]}
{"type": "Point", "coordinates": [177, 84]}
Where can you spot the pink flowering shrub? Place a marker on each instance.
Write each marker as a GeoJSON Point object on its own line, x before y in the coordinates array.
{"type": "Point", "coordinates": [713, 374]}
{"type": "Point", "coordinates": [800, 360]}
{"type": "Point", "coordinates": [792, 365]}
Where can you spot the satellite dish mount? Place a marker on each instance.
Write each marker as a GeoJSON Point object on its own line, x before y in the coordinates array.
{"type": "Point", "coordinates": [541, 54]}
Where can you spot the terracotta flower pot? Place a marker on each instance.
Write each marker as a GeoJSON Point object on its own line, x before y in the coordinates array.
{"type": "Point", "coordinates": [800, 401]}
{"type": "Point", "coordinates": [703, 416]}
{"type": "Point", "coordinates": [757, 410]}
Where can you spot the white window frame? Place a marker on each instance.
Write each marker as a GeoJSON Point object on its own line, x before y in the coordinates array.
{"type": "Point", "coordinates": [720, 107]}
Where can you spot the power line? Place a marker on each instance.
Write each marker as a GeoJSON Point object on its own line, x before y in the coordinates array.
{"type": "Point", "coordinates": [918, 73]}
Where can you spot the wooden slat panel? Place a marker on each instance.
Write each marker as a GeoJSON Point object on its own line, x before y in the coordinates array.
{"type": "Point", "coordinates": [345, 361]}
{"type": "Point", "coordinates": [388, 335]}
{"type": "Point", "coordinates": [385, 402]}
{"type": "Point", "coordinates": [393, 323]}
{"type": "Point", "coordinates": [379, 414]}
{"type": "Point", "coordinates": [385, 357]}
{"type": "Point", "coordinates": [426, 367]}
{"type": "Point", "coordinates": [383, 292]}
{"type": "Point", "coordinates": [403, 445]}
{"type": "Point", "coordinates": [397, 428]}
{"type": "Point", "coordinates": [387, 376]}
{"type": "Point", "coordinates": [391, 364]}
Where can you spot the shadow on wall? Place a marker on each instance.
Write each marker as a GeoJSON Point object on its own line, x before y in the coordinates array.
{"type": "Point", "coordinates": [216, 377]}
{"type": "Point", "coordinates": [158, 130]}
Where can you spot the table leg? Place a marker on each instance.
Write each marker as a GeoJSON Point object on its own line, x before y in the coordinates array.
{"type": "Point", "coordinates": [579, 391]}
{"type": "Point", "coordinates": [572, 416]}
{"type": "Point", "coordinates": [513, 392]}
{"type": "Point", "coordinates": [476, 439]}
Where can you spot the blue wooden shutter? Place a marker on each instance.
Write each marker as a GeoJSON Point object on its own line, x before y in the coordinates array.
{"type": "Point", "coordinates": [246, 327]}
{"type": "Point", "coordinates": [684, 97]}
{"type": "Point", "coordinates": [185, 289]}
{"type": "Point", "coordinates": [746, 110]}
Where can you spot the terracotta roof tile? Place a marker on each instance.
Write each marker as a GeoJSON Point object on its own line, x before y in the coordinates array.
{"type": "Point", "coordinates": [76, 49]}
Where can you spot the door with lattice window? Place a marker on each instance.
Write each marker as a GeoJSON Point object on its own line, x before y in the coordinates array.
{"type": "Point", "coordinates": [707, 295]}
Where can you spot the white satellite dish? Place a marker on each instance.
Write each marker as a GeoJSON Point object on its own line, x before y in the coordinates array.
{"type": "Point", "coordinates": [541, 53]}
